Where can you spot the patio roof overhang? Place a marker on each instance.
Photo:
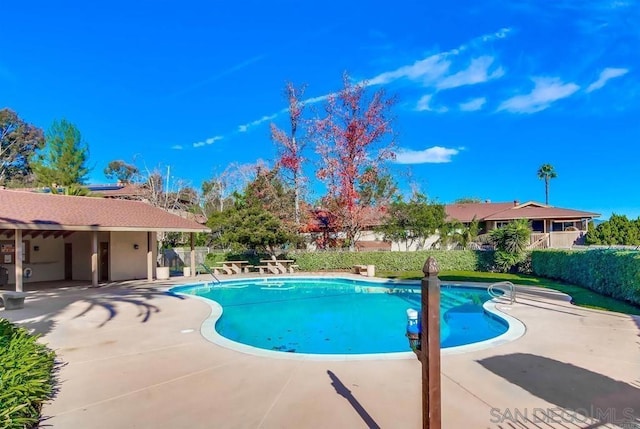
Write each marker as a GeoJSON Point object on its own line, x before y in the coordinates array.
{"type": "Point", "coordinates": [98, 228]}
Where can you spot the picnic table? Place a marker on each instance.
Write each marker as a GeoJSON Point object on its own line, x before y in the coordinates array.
{"type": "Point", "coordinates": [233, 267]}
{"type": "Point", "coordinates": [277, 266]}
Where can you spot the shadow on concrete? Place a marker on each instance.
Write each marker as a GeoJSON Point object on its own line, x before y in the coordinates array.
{"type": "Point", "coordinates": [44, 305]}
{"type": "Point", "coordinates": [342, 390]}
{"type": "Point", "coordinates": [577, 390]}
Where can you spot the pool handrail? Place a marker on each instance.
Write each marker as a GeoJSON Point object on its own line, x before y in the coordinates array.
{"type": "Point", "coordinates": [208, 270]}
{"type": "Point", "coordinates": [511, 289]}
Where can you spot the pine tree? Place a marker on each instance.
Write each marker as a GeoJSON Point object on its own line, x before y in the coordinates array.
{"type": "Point", "coordinates": [62, 161]}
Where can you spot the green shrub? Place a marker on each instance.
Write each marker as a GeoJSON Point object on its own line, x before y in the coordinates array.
{"type": "Point", "coordinates": [214, 258]}
{"type": "Point", "coordinates": [460, 260]}
{"type": "Point", "coordinates": [614, 273]}
{"type": "Point", "coordinates": [26, 377]}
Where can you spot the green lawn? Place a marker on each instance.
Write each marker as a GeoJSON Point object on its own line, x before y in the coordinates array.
{"type": "Point", "coordinates": [581, 296]}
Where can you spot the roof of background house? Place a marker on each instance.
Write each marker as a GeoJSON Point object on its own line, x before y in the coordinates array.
{"type": "Point", "coordinates": [509, 211]}
{"type": "Point", "coordinates": [119, 190]}
{"type": "Point", "coordinates": [29, 210]}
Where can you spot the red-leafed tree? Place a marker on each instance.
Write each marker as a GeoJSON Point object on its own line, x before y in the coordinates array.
{"type": "Point", "coordinates": [291, 146]}
{"type": "Point", "coordinates": [353, 140]}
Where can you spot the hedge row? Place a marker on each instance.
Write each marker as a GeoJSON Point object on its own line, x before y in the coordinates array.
{"type": "Point", "coordinates": [614, 273]}
{"type": "Point", "coordinates": [463, 260]}
{"type": "Point", "coordinates": [26, 377]}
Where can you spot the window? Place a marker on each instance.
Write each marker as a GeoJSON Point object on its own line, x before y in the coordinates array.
{"type": "Point", "coordinates": [564, 226]}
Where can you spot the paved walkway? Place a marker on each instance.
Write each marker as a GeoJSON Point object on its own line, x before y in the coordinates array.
{"type": "Point", "coordinates": [134, 358]}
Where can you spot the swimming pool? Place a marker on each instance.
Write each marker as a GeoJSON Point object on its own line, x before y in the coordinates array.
{"type": "Point", "coordinates": [339, 316]}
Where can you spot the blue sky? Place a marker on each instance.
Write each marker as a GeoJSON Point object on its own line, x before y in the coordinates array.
{"type": "Point", "coordinates": [487, 91]}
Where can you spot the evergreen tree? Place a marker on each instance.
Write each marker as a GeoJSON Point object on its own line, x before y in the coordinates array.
{"type": "Point", "coordinates": [63, 159]}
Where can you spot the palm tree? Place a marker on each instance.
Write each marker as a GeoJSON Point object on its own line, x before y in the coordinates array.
{"type": "Point", "coordinates": [547, 172]}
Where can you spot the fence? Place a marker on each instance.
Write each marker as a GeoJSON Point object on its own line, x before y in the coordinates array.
{"type": "Point", "coordinates": [179, 257]}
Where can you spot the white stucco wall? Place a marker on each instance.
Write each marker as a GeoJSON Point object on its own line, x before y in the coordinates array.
{"type": "Point", "coordinates": [126, 262]}
{"type": "Point", "coordinates": [47, 263]}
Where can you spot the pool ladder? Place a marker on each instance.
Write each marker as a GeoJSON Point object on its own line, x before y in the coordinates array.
{"type": "Point", "coordinates": [508, 285]}
{"type": "Point", "coordinates": [208, 270]}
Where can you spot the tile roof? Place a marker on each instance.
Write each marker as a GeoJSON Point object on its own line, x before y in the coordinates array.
{"type": "Point", "coordinates": [510, 211]}
{"type": "Point", "coordinates": [29, 210]}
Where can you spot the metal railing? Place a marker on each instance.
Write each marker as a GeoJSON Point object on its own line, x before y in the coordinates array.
{"type": "Point", "coordinates": [511, 289]}
{"type": "Point", "coordinates": [208, 270]}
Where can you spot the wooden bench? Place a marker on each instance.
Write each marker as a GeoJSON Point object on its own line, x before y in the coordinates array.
{"type": "Point", "coordinates": [13, 300]}
{"type": "Point", "coordinates": [227, 270]}
{"type": "Point", "coordinates": [263, 268]}
{"type": "Point", "coordinates": [247, 268]}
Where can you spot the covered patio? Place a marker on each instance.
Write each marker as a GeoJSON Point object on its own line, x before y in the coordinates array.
{"type": "Point", "coordinates": [46, 237]}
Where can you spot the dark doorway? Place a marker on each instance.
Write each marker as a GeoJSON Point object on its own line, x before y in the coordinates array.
{"type": "Point", "coordinates": [103, 270]}
{"type": "Point", "coordinates": [68, 261]}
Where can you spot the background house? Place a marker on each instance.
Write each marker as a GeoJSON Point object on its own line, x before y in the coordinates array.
{"type": "Point", "coordinates": [551, 226]}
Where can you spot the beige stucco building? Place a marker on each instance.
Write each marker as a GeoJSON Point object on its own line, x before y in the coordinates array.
{"type": "Point", "coordinates": [46, 237]}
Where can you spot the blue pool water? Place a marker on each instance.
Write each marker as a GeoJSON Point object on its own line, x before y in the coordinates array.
{"type": "Point", "coordinates": [340, 316]}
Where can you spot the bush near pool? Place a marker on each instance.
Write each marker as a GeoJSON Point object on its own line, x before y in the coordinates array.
{"type": "Point", "coordinates": [26, 377]}
{"type": "Point", "coordinates": [614, 273]}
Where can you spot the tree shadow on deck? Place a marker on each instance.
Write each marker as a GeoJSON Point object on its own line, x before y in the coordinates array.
{"type": "Point", "coordinates": [42, 307]}
{"type": "Point", "coordinates": [597, 397]}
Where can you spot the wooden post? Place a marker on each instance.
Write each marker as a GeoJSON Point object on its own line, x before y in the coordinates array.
{"type": "Point", "coordinates": [150, 264]}
{"type": "Point", "coordinates": [430, 346]}
{"type": "Point", "coordinates": [18, 260]}
{"type": "Point", "coordinates": [193, 254]}
{"type": "Point", "coordinates": [94, 259]}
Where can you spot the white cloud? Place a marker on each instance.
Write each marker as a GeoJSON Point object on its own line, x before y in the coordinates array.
{"type": "Point", "coordinates": [177, 147]}
{"type": "Point", "coordinates": [427, 70]}
{"type": "Point", "coordinates": [500, 34]}
{"type": "Point", "coordinates": [424, 105]}
{"type": "Point", "coordinates": [432, 155]}
{"type": "Point", "coordinates": [477, 72]}
{"type": "Point", "coordinates": [243, 128]}
{"type": "Point", "coordinates": [210, 140]}
{"type": "Point", "coordinates": [545, 92]}
{"type": "Point", "coordinates": [431, 70]}
{"type": "Point", "coordinates": [605, 75]}
{"type": "Point", "coordinates": [473, 105]}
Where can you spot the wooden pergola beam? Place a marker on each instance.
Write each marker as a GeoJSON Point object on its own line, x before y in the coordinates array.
{"type": "Point", "coordinates": [8, 232]}
{"type": "Point", "coordinates": [32, 234]}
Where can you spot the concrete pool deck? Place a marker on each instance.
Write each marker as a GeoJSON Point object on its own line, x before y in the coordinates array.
{"type": "Point", "coordinates": [133, 356]}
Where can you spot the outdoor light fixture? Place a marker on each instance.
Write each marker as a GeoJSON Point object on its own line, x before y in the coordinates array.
{"type": "Point", "coordinates": [36, 248]}
{"type": "Point", "coordinates": [413, 330]}
{"type": "Point", "coordinates": [135, 246]}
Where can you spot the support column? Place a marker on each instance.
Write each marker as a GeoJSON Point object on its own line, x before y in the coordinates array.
{"type": "Point", "coordinates": [18, 261]}
{"type": "Point", "coordinates": [430, 346]}
{"type": "Point", "coordinates": [94, 259]}
{"type": "Point", "coordinates": [193, 254]}
{"type": "Point", "coordinates": [149, 258]}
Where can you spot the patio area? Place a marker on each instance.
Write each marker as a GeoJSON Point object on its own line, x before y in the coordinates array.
{"type": "Point", "coordinates": [134, 357]}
